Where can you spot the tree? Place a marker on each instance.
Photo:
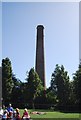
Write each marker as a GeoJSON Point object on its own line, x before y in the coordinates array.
{"type": "Point", "coordinates": [17, 99]}
{"type": "Point", "coordinates": [51, 98]}
{"type": "Point", "coordinates": [7, 83]}
{"type": "Point", "coordinates": [34, 85]}
{"type": "Point", "coordinates": [77, 86]}
{"type": "Point", "coordinates": [60, 86]}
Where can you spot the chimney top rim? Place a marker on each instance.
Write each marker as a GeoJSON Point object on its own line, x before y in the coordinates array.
{"type": "Point", "coordinates": [40, 26]}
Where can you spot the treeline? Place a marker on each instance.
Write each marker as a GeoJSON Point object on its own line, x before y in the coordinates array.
{"type": "Point", "coordinates": [63, 93]}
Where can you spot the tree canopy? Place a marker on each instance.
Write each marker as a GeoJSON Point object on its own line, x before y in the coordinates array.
{"type": "Point", "coordinates": [60, 85]}
{"type": "Point", "coordinates": [62, 94]}
{"type": "Point", "coordinates": [34, 85]}
{"type": "Point", "coordinates": [7, 83]}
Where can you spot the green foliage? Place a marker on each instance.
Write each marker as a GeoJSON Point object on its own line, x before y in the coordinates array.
{"type": "Point", "coordinates": [51, 98]}
{"type": "Point", "coordinates": [17, 92]}
{"type": "Point", "coordinates": [62, 94]}
{"type": "Point", "coordinates": [77, 85]}
{"type": "Point", "coordinates": [34, 85]}
{"type": "Point", "coordinates": [60, 85]}
{"type": "Point", "coordinates": [72, 96]}
{"type": "Point", "coordinates": [7, 83]}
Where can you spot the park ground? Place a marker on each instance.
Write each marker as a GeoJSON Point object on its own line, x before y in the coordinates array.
{"type": "Point", "coordinates": [53, 115]}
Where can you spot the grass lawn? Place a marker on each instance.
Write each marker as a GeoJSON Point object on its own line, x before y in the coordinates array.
{"type": "Point", "coordinates": [53, 115]}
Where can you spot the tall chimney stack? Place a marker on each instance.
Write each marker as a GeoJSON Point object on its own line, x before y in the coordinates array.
{"type": "Point", "coordinates": [40, 62]}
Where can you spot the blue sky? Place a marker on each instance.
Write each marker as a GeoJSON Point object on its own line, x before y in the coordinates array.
{"type": "Point", "coordinates": [61, 35]}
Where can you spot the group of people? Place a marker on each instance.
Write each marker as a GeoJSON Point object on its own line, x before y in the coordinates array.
{"type": "Point", "coordinates": [10, 114]}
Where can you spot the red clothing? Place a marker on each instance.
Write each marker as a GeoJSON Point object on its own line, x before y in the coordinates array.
{"type": "Point", "coordinates": [18, 116]}
{"type": "Point", "coordinates": [25, 114]}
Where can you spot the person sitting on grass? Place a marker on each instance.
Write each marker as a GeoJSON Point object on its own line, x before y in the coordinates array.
{"type": "Point", "coordinates": [14, 115]}
{"type": "Point", "coordinates": [10, 108]}
{"type": "Point", "coordinates": [26, 115]}
{"type": "Point", "coordinates": [5, 115]}
{"type": "Point", "coordinates": [1, 112]}
{"type": "Point", "coordinates": [10, 115]}
{"type": "Point", "coordinates": [17, 114]}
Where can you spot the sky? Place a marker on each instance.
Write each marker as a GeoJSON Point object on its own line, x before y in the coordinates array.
{"type": "Point", "coordinates": [61, 35]}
